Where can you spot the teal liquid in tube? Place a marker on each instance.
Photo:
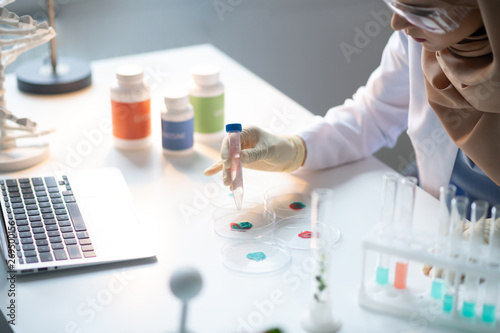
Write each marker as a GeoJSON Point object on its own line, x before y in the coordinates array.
{"type": "Point", "coordinates": [382, 275]}
{"type": "Point", "coordinates": [488, 315]}
{"type": "Point", "coordinates": [448, 302]}
{"type": "Point", "coordinates": [437, 289]}
{"type": "Point", "coordinates": [233, 132]}
{"type": "Point", "coordinates": [469, 309]}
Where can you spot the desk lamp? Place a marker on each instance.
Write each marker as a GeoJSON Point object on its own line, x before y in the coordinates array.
{"type": "Point", "coordinates": [62, 75]}
{"type": "Point", "coordinates": [22, 33]}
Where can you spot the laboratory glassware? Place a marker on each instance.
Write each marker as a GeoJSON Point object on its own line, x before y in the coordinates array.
{"type": "Point", "coordinates": [234, 142]}
{"type": "Point", "coordinates": [459, 208]}
{"type": "Point", "coordinates": [320, 317]}
{"type": "Point", "coordinates": [473, 246]}
{"type": "Point", "coordinates": [386, 220]}
{"type": "Point", "coordinates": [491, 285]}
{"type": "Point", "coordinates": [446, 194]}
{"type": "Point", "coordinates": [403, 222]}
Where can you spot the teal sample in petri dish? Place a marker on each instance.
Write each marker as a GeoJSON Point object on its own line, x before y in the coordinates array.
{"type": "Point", "coordinates": [489, 313]}
{"type": "Point", "coordinates": [382, 276]}
{"type": "Point", "coordinates": [469, 309]}
{"type": "Point", "coordinates": [437, 289]}
{"type": "Point", "coordinates": [448, 302]}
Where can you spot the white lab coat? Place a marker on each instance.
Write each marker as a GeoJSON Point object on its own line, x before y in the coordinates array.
{"type": "Point", "coordinates": [393, 100]}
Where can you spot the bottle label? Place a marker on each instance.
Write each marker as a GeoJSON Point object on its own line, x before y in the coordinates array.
{"type": "Point", "coordinates": [131, 121]}
{"type": "Point", "coordinates": [208, 113]}
{"type": "Point", "coordinates": [177, 135]}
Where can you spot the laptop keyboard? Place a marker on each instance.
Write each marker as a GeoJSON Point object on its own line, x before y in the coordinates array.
{"type": "Point", "coordinates": [49, 224]}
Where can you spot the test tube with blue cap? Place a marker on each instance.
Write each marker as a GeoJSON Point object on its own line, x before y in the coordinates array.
{"type": "Point", "coordinates": [234, 142]}
{"type": "Point", "coordinates": [459, 208]}
{"type": "Point", "coordinates": [491, 285]}
{"type": "Point", "coordinates": [479, 210]}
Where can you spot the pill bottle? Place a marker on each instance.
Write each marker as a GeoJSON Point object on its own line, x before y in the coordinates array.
{"type": "Point", "coordinates": [131, 109]}
{"type": "Point", "coordinates": [177, 123]}
{"type": "Point", "coordinates": [206, 95]}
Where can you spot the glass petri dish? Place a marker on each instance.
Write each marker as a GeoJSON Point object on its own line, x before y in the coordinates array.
{"type": "Point", "coordinates": [268, 255]}
{"type": "Point", "coordinates": [288, 200]}
{"type": "Point", "coordinates": [225, 218]}
{"type": "Point", "coordinates": [295, 232]}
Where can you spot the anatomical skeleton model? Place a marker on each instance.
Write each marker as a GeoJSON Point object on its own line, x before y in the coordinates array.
{"type": "Point", "coordinates": [17, 35]}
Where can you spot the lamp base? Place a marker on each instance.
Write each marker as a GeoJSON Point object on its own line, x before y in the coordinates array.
{"type": "Point", "coordinates": [37, 76]}
{"type": "Point", "coordinates": [22, 157]}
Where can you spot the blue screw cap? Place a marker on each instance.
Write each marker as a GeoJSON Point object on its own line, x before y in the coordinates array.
{"type": "Point", "coordinates": [233, 127]}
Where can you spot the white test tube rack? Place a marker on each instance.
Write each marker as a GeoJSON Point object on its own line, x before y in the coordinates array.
{"type": "Point", "coordinates": [416, 303]}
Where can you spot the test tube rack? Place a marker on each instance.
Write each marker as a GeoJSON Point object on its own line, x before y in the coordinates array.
{"type": "Point", "coordinates": [415, 302]}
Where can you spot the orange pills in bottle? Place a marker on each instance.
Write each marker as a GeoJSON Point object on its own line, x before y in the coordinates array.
{"type": "Point", "coordinates": [131, 109]}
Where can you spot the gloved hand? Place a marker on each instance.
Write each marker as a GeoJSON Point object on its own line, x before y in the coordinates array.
{"type": "Point", "coordinates": [261, 150]}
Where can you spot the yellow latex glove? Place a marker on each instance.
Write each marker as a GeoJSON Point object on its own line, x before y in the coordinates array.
{"type": "Point", "coordinates": [262, 150]}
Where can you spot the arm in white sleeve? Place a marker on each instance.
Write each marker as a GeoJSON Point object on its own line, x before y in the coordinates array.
{"type": "Point", "coordinates": [375, 116]}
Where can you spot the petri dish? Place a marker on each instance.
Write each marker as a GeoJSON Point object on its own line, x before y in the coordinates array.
{"type": "Point", "coordinates": [295, 232]}
{"type": "Point", "coordinates": [225, 217]}
{"type": "Point", "coordinates": [269, 255]}
{"type": "Point", "coordinates": [288, 200]}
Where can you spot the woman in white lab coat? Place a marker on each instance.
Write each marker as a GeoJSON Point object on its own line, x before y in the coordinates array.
{"type": "Point", "coordinates": [439, 79]}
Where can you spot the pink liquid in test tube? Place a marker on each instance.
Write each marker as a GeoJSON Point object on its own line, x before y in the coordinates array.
{"type": "Point", "coordinates": [400, 275]}
{"type": "Point", "coordinates": [233, 132]}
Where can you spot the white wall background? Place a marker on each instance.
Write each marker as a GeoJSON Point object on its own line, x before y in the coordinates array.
{"type": "Point", "coordinates": [318, 52]}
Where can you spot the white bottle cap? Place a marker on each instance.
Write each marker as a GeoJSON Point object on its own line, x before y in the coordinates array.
{"type": "Point", "coordinates": [129, 73]}
{"type": "Point", "coordinates": [205, 75]}
{"type": "Point", "coordinates": [176, 99]}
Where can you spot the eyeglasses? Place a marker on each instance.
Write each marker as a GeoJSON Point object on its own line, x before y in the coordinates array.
{"type": "Point", "coordinates": [438, 20]}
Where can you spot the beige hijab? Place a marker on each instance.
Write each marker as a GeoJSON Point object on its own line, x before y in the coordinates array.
{"type": "Point", "coordinates": [463, 88]}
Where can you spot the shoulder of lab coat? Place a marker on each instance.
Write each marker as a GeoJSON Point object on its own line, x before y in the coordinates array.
{"type": "Point", "coordinates": [394, 99]}
{"type": "Point", "coordinates": [373, 118]}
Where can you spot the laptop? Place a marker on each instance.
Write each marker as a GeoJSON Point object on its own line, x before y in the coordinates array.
{"type": "Point", "coordinates": [51, 222]}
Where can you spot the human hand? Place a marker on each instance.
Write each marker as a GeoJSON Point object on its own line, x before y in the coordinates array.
{"type": "Point", "coordinates": [262, 150]}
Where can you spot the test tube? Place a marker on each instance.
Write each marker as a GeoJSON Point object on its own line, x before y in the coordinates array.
{"type": "Point", "coordinates": [319, 317]}
{"type": "Point", "coordinates": [459, 207]}
{"type": "Point", "coordinates": [403, 222]}
{"type": "Point", "coordinates": [493, 259]}
{"type": "Point", "coordinates": [233, 132]}
{"type": "Point", "coordinates": [479, 210]}
{"type": "Point", "coordinates": [389, 187]}
{"type": "Point", "coordinates": [446, 194]}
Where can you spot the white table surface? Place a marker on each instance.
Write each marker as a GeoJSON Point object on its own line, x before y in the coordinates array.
{"type": "Point", "coordinates": [173, 199]}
